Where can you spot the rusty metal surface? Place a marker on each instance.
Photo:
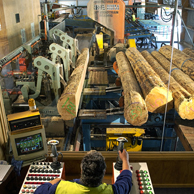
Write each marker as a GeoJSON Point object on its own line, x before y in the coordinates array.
{"type": "Point", "coordinates": [95, 91]}
{"type": "Point", "coordinates": [92, 114]}
{"type": "Point", "coordinates": [96, 68]}
{"type": "Point", "coordinates": [98, 78]}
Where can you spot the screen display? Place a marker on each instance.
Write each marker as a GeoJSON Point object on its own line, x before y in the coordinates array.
{"type": "Point", "coordinates": [29, 144]}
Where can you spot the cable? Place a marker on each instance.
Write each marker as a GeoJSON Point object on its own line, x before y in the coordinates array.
{"type": "Point", "coordinates": [168, 88]}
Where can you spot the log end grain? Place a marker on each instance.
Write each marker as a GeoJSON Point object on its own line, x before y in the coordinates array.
{"type": "Point", "coordinates": [157, 98]}
{"type": "Point", "coordinates": [186, 109]}
{"type": "Point", "coordinates": [67, 109]}
{"type": "Point", "coordinates": [135, 110]}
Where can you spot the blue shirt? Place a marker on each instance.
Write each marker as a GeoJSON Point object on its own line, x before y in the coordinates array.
{"type": "Point", "coordinates": [122, 185]}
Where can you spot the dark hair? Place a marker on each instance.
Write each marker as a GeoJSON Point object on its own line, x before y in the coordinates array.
{"type": "Point", "coordinates": [93, 169]}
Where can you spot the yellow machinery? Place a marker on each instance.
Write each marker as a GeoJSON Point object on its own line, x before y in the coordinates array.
{"type": "Point", "coordinates": [23, 121]}
{"type": "Point", "coordinates": [133, 135]}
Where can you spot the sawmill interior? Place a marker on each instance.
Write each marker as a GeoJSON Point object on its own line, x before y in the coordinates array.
{"type": "Point", "coordinates": [81, 75]}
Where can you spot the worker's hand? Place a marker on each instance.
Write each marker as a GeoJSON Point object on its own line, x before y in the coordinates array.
{"type": "Point", "coordinates": [55, 181]}
{"type": "Point", "coordinates": [124, 155]}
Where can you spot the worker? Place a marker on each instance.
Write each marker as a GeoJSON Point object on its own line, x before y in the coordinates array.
{"type": "Point", "coordinates": [93, 168]}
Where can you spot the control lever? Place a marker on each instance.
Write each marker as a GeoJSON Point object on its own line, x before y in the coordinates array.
{"type": "Point", "coordinates": [119, 162]}
{"type": "Point", "coordinates": [55, 164]}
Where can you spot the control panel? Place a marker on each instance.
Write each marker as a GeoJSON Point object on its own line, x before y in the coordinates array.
{"type": "Point", "coordinates": [23, 120]}
{"type": "Point", "coordinates": [38, 174]}
{"type": "Point", "coordinates": [141, 178]}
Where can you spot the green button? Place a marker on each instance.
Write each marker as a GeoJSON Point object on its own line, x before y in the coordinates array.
{"type": "Point", "coordinates": [145, 171]}
{"type": "Point", "coordinates": [147, 180]}
{"type": "Point", "coordinates": [146, 175]}
{"type": "Point", "coordinates": [150, 192]}
{"type": "Point", "coordinates": [148, 184]}
{"type": "Point", "coordinates": [149, 188]}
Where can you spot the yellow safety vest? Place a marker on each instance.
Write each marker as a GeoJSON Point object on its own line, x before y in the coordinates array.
{"type": "Point", "coordinates": [75, 188]}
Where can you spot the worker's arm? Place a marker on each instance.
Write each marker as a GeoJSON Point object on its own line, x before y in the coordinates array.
{"type": "Point", "coordinates": [123, 183]}
{"type": "Point", "coordinates": [55, 181]}
{"type": "Point", "coordinates": [124, 156]}
{"type": "Point", "coordinates": [48, 188]}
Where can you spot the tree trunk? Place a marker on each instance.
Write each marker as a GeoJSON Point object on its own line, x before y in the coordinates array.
{"type": "Point", "coordinates": [180, 59]}
{"type": "Point", "coordinates": [69, 101]}
{"type": "Point", "coordinates": [184, 80]}
{"type": "Point", "coordinates": [154, 90]}
{"type": "Point", "coordinates": [189, 52]}
{"type": "Point", "coordinates": [182, 98]}
{"type": "Point", "coordinates": [135, 110]}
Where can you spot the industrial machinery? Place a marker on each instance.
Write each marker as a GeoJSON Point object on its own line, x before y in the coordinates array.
{"type": "Point", "coordinates": [40, 173]}
{"type": "Point", "coordinates": [141, 178]}
{"type": "Point", "coordinates": [121, 141]}
{"type": "Point", "coordinates": [101, 113]}
{"type": "Point", "coordinates": [55, 164]}
{"type": "Point", "coordinates": [132, 135]}
{"type": "Point", "coordinates": [41, 69]}
{"type": "Point", "coordinates": [27, 137]}
{"type": "Point", "coordinates": [25, 120]}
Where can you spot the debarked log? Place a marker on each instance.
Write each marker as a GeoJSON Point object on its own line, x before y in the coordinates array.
{"type": "Point", "coordinates": [183, 101]}
{"type": "Point", "coordinates": [189, 52]}
{"type": "Point", "coordinates": [180, 59]}
{"type": "Point", "coordinates": [135, 110]}
{"type": "Point", "coordinates": [69, 101]}
{"type": "Point", "coordinates": [183, 79]}
{"type": "Point", "coordinates": [154, 90]}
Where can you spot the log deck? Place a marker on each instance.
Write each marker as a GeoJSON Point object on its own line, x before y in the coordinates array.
{"type": "Point", "coordinates": [135, 110]}
{"type": "Point", "coordinates": [182, 99]}
{"type": "Point", "coordinates": [68, 103]}
{"type": "Point", "coordinates": [154, 90]}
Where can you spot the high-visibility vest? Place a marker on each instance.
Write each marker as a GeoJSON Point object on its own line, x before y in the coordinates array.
{"type": "Point", "coordinates": [65, 187]}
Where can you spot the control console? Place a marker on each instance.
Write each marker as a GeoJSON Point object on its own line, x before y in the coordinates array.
{"type": "Point", "coordinates": [141, 178]}
{"type": "Point", "coordinates": [38, 174]}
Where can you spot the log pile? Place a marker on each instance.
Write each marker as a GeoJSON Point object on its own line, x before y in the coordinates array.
{"type": "Point", "coordinates": [182, 99]}
{"type": "Point", "coordinates": [189, 52]}
{"type": "Point", "coordinates": [145, 79]}
{"type": "Point", "coordinates": [184, 80]}
{"type": "Point", "coordinates": [69, 101]}
{"type": "Point", "coordinates": [154, 90]}
{"type": "Point", "coordinates": [180, 59]}
{"type": "Point", "coordinates": [135, 110]}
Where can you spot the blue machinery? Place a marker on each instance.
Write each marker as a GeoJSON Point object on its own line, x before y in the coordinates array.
{"type": "Point", "coordinates": [99, 112]}
{"type": "Point", "coordinates": [142, 35]}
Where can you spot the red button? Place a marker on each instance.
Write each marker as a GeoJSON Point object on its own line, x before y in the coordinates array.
{"type": "Point", "coordinates": [139, 179]}
{"type": "Point", "coordinates": [141, 192]}
{"type": "Point", "coordinates": [138, 175]}
{"type": "Point", "coordinates": [140, 187]}
{"type": "Point", "coordinates": [137, 171]}
{"type": "Point", "coordinates": [140, 183]}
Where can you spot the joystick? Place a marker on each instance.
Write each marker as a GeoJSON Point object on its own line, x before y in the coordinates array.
{"type": "Point", "coordinates": [55, 164]}
{"type": "Point", "coordinates": [119, 163]}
